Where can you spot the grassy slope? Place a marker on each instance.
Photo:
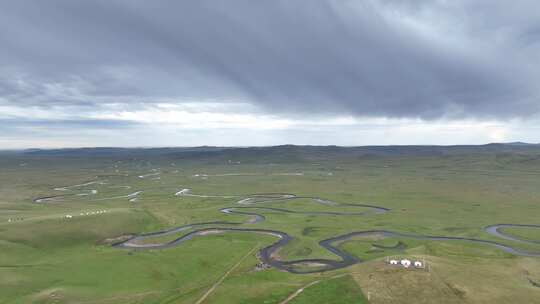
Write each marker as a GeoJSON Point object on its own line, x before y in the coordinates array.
{"type": "Point", "coordinates": [342, 290]}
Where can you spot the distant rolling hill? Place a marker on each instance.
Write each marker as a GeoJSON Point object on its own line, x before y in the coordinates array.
{"type": "Point", "coordinates": [285, 152]}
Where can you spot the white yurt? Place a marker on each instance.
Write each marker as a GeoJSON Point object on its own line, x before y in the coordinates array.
{"type": "Point", "coordinates": [405, 263]}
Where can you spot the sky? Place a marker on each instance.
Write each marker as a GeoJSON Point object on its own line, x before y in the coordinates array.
{"type": "Point", "coordinates": [252, 73]}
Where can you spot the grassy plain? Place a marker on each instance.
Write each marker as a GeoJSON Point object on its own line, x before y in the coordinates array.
{"type": "Point", "coordinates": [523, 233]}
{"type": "Point", "coordinates": [46, 258]}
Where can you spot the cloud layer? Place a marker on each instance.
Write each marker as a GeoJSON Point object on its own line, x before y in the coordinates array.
{"type": "Point", "coordinates": [429, 60]}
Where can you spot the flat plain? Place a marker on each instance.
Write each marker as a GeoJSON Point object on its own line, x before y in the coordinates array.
{"type": "Point", "coordinates": [185, 225]}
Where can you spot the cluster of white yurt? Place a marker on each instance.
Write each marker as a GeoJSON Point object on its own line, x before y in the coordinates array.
{"type": "Point", "coordinates": [15, 219]}
{"type": "Point", "coordinates": [92, 212]}
{"type": "Point", "coordinates": [406, 263]}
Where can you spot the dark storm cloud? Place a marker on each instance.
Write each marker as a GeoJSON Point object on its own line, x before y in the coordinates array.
{"type": "Point", "coordinates": [425, 59]}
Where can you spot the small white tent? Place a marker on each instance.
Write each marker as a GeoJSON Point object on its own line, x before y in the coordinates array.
{"type": "Point", "coordinates": [405, 263]}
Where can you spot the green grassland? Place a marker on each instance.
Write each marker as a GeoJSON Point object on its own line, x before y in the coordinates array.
{"type": "Point", "coordinates": [523, 233]}
{"type": "Point", "coordinates": [48, 258]}
{"type": "Point", "coordinates": [326, 291]}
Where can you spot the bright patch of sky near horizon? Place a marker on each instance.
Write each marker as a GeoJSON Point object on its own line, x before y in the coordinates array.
{"type": "Point", "coordinates": [193, 124]}
{"type": "Point", "coordinates": [239, 73]}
